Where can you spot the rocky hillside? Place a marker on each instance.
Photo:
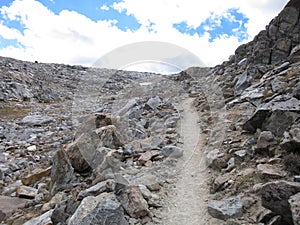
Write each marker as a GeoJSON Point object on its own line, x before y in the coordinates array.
{"type": "Point", "coordinates": [95, 146]}
{"type": "Point", "coordinates": [257, 165]}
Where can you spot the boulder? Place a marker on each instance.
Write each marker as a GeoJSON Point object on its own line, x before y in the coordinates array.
{"type": "Point", "coordinates": [215, 159]}
{"type": "Point", "coordinates": [242, 83]}
{"type": "Point", "coordinates": [275, 116]}
{"type": "Point", "coordinates": [265, 140]}
{"type": "Point", "coordinates": [94, 122]}
{"type": "Point", "coordinates": [172, 151]}
{"type": "Point", "coordinates": [291, 139]}
{"type": "Point", "coordinates": [81, 151]}
{"type": "Point", "coordinates": [103, 209]}
{"type": "Point", "coordinates": [109, 137]}
{"type": "Point", "coordinates": [36, 120]}
{"type": "Point", "coordinates": [62, 172]}
{"type": "Point", "coordinates": [133, 202]}
{"type": "Point", "coordinates": [266, 171]}
{"type": "Point", "coordinates": [275, 196]}
{"type": "Point", "coordinates": [226, 208]}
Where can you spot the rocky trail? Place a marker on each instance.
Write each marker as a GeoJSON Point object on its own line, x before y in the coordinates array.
{"type": "Point", "coordinates": [189, 197]}
{"type": "Point", "coordinates": [217, 145]}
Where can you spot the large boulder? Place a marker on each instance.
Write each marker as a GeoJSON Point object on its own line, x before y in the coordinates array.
{"type": "Point", "coordinates": [103, 209]}
{"type": "Point", "coordinates": [275, 116]}
{"type": "Point", "coordinates": [62, 172]}
{"type": "Point", "coordinates": [275, 196]}
{"type": "Point", "coordinates": [95, 132]}
{"type": "Point", "coordinates": [226, 208]}
{"type": "Point", "coordinates": [133, 202]}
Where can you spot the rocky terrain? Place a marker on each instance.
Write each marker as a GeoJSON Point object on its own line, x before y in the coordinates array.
{"type": "Point", "coordinates": [215, 145]}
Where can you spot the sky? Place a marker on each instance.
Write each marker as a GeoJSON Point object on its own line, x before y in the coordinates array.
{"type": "Point", "coordinates": [82, 31]}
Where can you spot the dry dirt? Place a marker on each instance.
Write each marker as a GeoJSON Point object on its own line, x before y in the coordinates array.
{"type": "Point", "coordinates": [187, 203]}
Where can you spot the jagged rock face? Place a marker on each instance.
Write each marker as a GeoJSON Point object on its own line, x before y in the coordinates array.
{"type": "Point", "coordinates": [276, 42]}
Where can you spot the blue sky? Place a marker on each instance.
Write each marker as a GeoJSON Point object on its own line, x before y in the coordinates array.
{"type": "Point", "coordinates": [81, 31]}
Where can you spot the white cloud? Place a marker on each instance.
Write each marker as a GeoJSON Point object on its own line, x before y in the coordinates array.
{"type": "Point", "coordinates": [104, 8]}
{"type": "Point", "coordinates": [73, 38]}
{"type": "Point", "coordinates": [9, 33]}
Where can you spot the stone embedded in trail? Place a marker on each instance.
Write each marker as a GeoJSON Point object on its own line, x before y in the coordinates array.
{"type": "Point", "coordinates": [275, 196]}
{"type": "Point", "coordinates": [133, 202]}
{"type": "Point", "coordinates": [103, 209]}
{"type": "Point", "coordinates": [226, 208]}
{"type": "Point", "coordinates": [172, 151]}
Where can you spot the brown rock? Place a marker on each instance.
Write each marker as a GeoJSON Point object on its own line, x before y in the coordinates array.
{"type": "Point", "coordinates": [26, 192]}
{"type": "Point", "coordinates": [36, 175]}
{"type": "Point", "coordinates": [109, 137]}
{"type": "Point", "coordinates": [133, 202]}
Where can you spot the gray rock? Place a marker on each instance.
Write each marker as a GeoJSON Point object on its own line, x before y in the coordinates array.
{"type": "Point", "coordinates": [275, 116]}
{"type": "Point", "coordinates": [291, 139]}
{"type": "Point", "coordinates": [36, 120]}
{"type": "Point", "coordinates": [215, 159]}
{"type": "Point", "coordinates": [96, 189]}
{"type": "Point", "coordinates": [226, 208]}
{"type": "Point", "coordinates": [41, 220]}
{"type": "Point", "coordinates": [278, 85]}
{"type": "Point", "coordinates": [109, 137]}
{"type": "Point", "coordinates": [242, 83]}
{"type": "Point", "coordinates": [172, 151]}
{"type": "Point", "coordinates": [230, 165]}
{"type": "Point", "coordinates": [153, 102]}
{"type": "Point", "coordinates": [265, 140]}
{"type": "Point", "coordinates": [275, 196]}
{"type": "Point", "coordinates": [82, 151]}
{"type": "Point", "coordinates": [62, 172]}
{"type": "Point", "coordinates": [103, 209]}
{"type": "Point", "coordinates": [270, 171]}
{"type": "Point", "coordinates": [241, 154]}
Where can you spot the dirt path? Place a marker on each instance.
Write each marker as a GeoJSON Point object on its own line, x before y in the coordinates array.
{"type": "Point", "coordinates": [187, 201]}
